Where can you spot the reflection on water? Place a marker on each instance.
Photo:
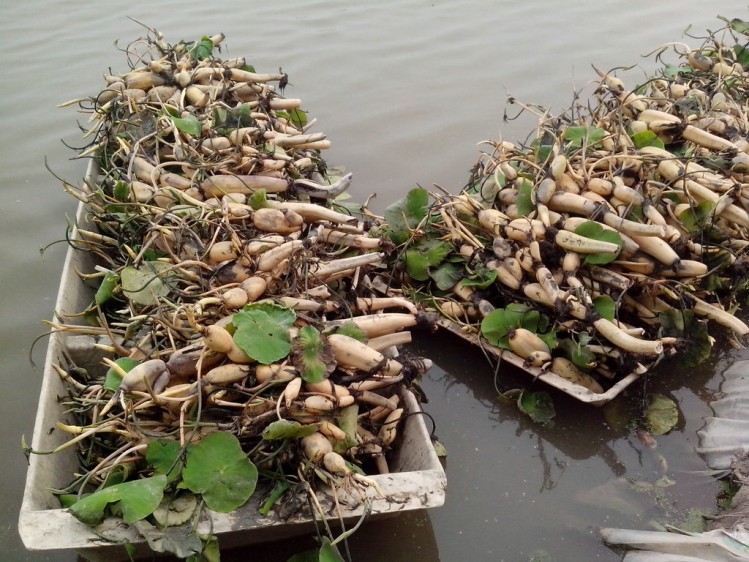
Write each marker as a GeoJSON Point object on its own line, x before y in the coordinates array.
{"type": "Point", "coordinates": [404, 90]}
{"type": "Point", "coordinates": [551, 487]}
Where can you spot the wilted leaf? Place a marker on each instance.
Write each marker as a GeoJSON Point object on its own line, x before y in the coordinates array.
{"type": "Point", "coordinates": [181, 541]}
{"type": "Point", "coordinates": [661, 414]}
{"type": "Point", "coordinates": [439, 449]}
{"type": "Point", "coordinates": [176, 510]}
{"type": "Point", "coordinates": [145, 286]}
{"type": "Point", "coordinates": [218, 469]}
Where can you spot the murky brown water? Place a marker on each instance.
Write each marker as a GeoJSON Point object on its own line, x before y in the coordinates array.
{"type": "Point", "coordinates": [404, 90]}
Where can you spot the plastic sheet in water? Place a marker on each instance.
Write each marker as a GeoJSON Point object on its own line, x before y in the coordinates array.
{"type": "Point", "coordinates": [723, 439]}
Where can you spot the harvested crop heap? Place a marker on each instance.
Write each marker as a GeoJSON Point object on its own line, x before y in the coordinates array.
{"type": "Point", "coordinates": [237, 301]}
{"type": "Point", "coordinates": [607, 239]}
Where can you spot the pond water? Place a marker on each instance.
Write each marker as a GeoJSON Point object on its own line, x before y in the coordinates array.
{"type": "Point", "coordinates": [405, 91]}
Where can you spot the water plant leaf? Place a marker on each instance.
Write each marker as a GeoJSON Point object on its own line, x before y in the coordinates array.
{"type": "Point", "coordinates": [525, 200]}
{"type": "Point", "coordinates": [739, 26]}
{"type": "Point", "coordinates": [591, 229]}
{"type": "Point", "coordinates": [496, 325]}
{"type": "Point", "coordinates": [543, 152]}
{"type": "Point", "coordinates": [112, 379]}
{"type": "Point", "coordinates": [262, 331]}
{"type": "Point", "coordinates": [405, 214]}
{"type": "Point", "coordinates": [620, 416]}
{"type": "Point", "coordinates": [329, 553]}
{"type": "Point", "coordinates": [579, 136]}
{"type": "Point", "coordinates": [145, 286]}
{"type": "Point", "coordinates": [278, 313]}
{"type": "Point", "coordinates": [481, 278]}
{"type": "Point", "coordinates": [136, 500]}
{"type": "Point", "coordinates": [121, 190]}
{"type": "Point", "coordinates": [287, 429]}
{"type": "Point", "coordinates": [351, 330]}
{"type": "Point", "coordinates": [421, 257]}
{"type": "Point", "coordinates": [165, 456]}
{"type": "Point", "coordinates": [189, 125]}
{"type": "Point", "coordinates": [579, 354]}
{"type": "Point", "coordinates": [605, 306]}
{"type": "Point", "coordinates": [118, 474]}
{"type": "Point", "coordinates": [232, 118]}
{"type": "Point", "coordinates": [348, 419]}
{"type": "Point", "coordinates": [202, 49]}
{"type": "Point", "coordinates": [258, 199]}
{"type": "Point", "coordinates": [741, 55]}
{"type": "Point", "coordinates": [541, 555]}
{"type": "Point", "coordinates": [312, 356]}
{"type": "Point", "coordinates": [107, 288]}
{"type": "Point", "coordinates": [684, 324]}
{"type": "Point", "coordinates": [446, 275]}
{"type": "Point", "coordinates": [439, 449]}
{"type": "Point", "coordinates": [211, 550]}
{"type": "Point", "coordinates": [646, 138]}
{"type": "Point", "coordinates": [298, 117]}
{"type": "Point", "coordinates": [537, 405]}
{"type": "Point", "coordinates": [311, 555]}
{"type": "Point", "coordinates": [218, 469]}
{"type": "Point", "coordinates": [278, 491]}
{"type": "Point", "coordinates": [661, 414]}
{"type": "Point", "coordinates": [416, 265]}
{"type": "Point", "coordinates": [697, 217]}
